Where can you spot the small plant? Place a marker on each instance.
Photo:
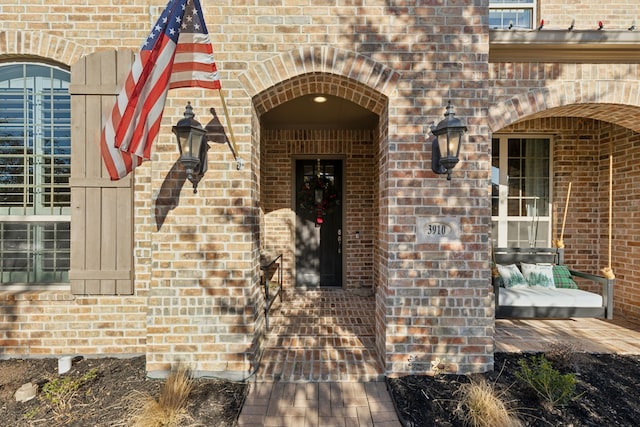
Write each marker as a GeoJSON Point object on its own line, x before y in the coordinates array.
{"type": "Point", "coordinates": [170, 409]}
{"type": "Point", "coordinates": [481, 406]}
{"type": "Point", "coordinates": [59, 392]}
{"type": "Point", "coordinates": [32, 413]}
{"type": "Point", "coordinates": [438, 366]}
{"type": "Point", "coordinates": [553, 387]}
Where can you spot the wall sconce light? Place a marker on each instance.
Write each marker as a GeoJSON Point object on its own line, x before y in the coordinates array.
{"type": "Point", "coordinates": [191, 139]}
{"type": "Point", "coordinates": [445, 148]}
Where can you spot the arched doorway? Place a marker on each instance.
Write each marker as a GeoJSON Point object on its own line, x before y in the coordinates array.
{"type": "Point", "coordinates": [349, 79]}
{"type": "Point", "coordinates": [319, 168]}
{"type": "Point", "coordinates": [319, 175]}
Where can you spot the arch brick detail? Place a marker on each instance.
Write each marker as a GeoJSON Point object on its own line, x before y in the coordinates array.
{"type": "Point", "coordinates": [587, 98]}
{"type": "Point", "coordinates": [315, 60]}
{"type": "Point", "coordinates": [37, 44]}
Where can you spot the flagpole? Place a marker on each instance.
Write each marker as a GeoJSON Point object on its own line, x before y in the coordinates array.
{"type": "Point", "coordinates": [232, 139]}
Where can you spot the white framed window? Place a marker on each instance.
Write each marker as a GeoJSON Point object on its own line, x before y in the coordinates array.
{"type": "Point", "coordinates": [517, 14]}
{"type": "Point", "coordinates": [521, 191]}
{"type": "Point", "coordinates": [35, 165]}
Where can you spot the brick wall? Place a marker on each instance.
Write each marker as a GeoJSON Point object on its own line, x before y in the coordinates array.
{"type": "Point", "coordinates": [50, 323]}
{"type": "Point", "coordinates": [202, 305]}
{"type": "Point", "coordinates": [617, 14]}
{"type": "Point", "coordinates": [624, 145]}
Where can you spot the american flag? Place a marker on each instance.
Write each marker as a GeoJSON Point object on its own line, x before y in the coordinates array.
{"type": "Point", "coordinates": [177, 53]}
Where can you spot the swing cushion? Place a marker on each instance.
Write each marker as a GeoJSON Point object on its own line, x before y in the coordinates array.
{"type": "Point", "coordinates": [562, 277]}
{"type": "Point", "coordinates": [538, 274]}
{"type": "Point", "coordinates": [511, 276]}
{"type": "Point", "coordinates": [537, 296]}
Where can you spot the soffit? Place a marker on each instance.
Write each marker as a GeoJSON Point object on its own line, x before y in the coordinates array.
{"type": "Point", "coordinates": [303, 113]}
{"type": "Point", "coordinates": [563, 46]}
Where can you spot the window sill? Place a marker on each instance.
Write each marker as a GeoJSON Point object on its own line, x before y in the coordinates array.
{"type": "Point", "coordinates": [24, 292]}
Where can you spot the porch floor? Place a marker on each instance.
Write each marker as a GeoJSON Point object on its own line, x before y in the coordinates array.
{"type": "Point", "coordinates": [619, 335]}
{"type": "Point", "coordinates": [321, 335]}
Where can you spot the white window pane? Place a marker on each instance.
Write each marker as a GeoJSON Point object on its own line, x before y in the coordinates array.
{"type": "Point", "coordinates": [35, 166]}
{"type": "Point", "coordinates": [521, 191]}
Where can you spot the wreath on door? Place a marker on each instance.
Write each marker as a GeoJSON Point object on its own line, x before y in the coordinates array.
{"type": "Point", "coordinates": [318, 197]}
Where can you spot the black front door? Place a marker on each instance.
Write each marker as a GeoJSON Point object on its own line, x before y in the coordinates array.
{"type": "Point", "coordinates": [318, 223]}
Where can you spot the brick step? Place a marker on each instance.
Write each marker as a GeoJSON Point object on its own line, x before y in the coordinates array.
{"type": "Point", "coordinates": [331, 326]}
{"type": "Point", "coordinates": [324, 314]}
{"type": "Point", "coordinates": [296, 319]}
{"type": "Point", "coordinates": [322, 342]}
{"type": "Point", "coordinates": [310, 328]}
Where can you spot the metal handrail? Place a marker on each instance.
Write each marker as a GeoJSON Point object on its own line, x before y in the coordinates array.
{"type": "Point", "coordinates": [269, 299]}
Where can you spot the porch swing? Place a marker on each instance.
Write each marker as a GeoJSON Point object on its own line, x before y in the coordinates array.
{"type": "Point", "coordinates": [536, 283]}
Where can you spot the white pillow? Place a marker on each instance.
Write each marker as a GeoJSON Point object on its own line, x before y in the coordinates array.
{"type": "Point", "coordinates": [511, 276]}
{"type": "Point", "coordinates": [538, 274]}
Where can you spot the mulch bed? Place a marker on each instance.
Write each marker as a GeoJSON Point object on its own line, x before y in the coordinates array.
{"type": "Point", "coordinates": [106, 400]}
{"type": "Point", "coordinates": [608, 390]}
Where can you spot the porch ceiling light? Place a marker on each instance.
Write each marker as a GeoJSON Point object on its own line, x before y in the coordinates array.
{"type": "Point", "coordinates": [446, 144]}
{"type": "Point", "coordinates": [191, 140]}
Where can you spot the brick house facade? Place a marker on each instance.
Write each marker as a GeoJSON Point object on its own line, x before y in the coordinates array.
{"type": "Point", "coordinates": [181, 279]}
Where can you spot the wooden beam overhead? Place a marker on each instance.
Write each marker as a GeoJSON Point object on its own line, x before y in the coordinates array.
{"type": "Point", "coordinates": [563, 46]}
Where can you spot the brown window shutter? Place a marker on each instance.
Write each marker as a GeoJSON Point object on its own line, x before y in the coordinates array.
{"type": "Point", "coordinates": [102, 210]}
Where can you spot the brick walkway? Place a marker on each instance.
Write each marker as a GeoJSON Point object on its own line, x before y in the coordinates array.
{"type": "Point", "coordinates": [323, 404]}
{"type": "Point", "coordinates": [320, 366]}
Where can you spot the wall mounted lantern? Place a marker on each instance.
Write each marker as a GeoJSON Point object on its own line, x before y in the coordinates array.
{"type": "Point", "coordinates": [191, 139]}
{"type": "Point", "coordinates": [446, 145]}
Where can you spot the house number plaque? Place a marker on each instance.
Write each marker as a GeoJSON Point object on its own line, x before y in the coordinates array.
{"type": "Point", "coordinates": [437, 229]}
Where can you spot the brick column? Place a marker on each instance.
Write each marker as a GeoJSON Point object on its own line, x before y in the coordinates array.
{"type": "Point", "coordinates": [435, 296]}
